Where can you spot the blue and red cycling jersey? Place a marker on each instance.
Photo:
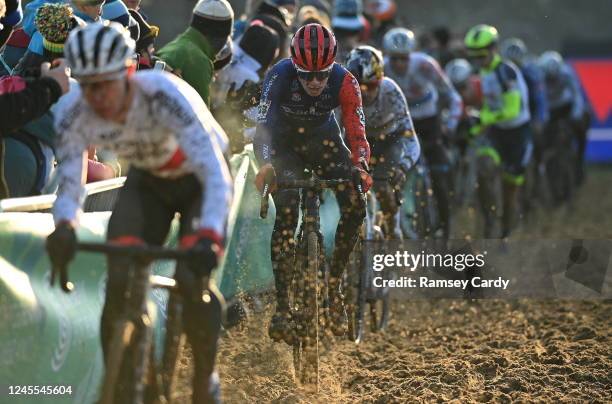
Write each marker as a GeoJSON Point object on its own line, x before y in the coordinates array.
{"type": "Point", "coordinates": [287, 112]}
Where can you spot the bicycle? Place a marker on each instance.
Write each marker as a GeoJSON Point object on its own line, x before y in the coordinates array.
{"type": "Point", "coordinates": [135, 318]}
{"type": "Point", "coordinates": [308, 292]}
{"type": "Point", "coordinates": [557, 167]}
{"type": "Point", "coordinates": [424, 219]}
{"type": "Point", "coordinates": [358, 283]}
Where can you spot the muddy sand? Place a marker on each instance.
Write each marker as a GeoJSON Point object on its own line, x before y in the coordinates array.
{"type": "Point", "coordinates": [445, 350]}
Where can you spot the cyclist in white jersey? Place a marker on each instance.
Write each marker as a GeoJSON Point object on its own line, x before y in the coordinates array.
{"type": "Point", "coordinates": [394, 144]}
{"type": "Point", "coordinates": [423, 83]}
{"type": "Point", "coordinates": [160, 125]}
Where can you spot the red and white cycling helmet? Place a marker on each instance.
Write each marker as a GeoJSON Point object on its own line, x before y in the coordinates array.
{"type": "Point", "coordinates": [313, 48]}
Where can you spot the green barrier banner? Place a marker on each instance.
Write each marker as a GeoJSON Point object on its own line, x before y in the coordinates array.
{"type": "Point", "coordinates": [246, 267]}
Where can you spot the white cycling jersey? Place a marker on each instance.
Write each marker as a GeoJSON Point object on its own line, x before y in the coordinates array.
{"type": "Point", "coordinates": [423, 84]}
{"type": "Point", "coordinates": [388, 115]}
{"type": "Point", "coordinates": [169, 132]}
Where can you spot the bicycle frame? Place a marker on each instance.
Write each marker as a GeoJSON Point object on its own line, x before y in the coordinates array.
{"type": "Point", "coordinates": [137, 290]}
{"type": "Point", "coordinates": [309, 276]}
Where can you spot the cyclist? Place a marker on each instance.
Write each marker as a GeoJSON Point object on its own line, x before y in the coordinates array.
{"type": "Point", "coordinates": [515, 50]}
{"type": "Point", "coordinates": [423, 82]}
{"type": "Point", "coordinates": [505, 114]}
{"type": "Point", "coordinates": [565, 101]}
{"type": "Point", "coordinates": [297, 128]}
{"type": "Point", "coordinates": [162, 127]}
{"type": "Point", "coordinates": [394, 145]}
{"type": "Point", "coordinates": [237, 87]}
{"type": "Point", "coordinates": [466, 82]}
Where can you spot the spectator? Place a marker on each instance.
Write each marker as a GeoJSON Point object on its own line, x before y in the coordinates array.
{"type": "Point", "coordinates": [87, 10]}
{"type": "Point", "coordinates": [145, 45]}
{"type": "Point", "coordinates": [311, 14]}
{"type": "Point", "coordinates": [193, 51]}
{"type": "Point", "coordinates": [321, 5]}
{"type": "Point", "coordinates": [10, 15]}
{"type": "Point", "coordinates": [348, 24]}
{"type": "Point", "coordinates": [441, 51]}
{"type": "Point", "coordinates": [116, 10]}
{"type": "Point", "coordinates": [22, 155]}
{"type": "Point", "coordinates": [237, 88]}
{"type": "Point", "coordinates": [53, 22]}
{"type": "Point", "coordinates": [276, 17]}
{"type": "Point", "coordinates": [381, 14]}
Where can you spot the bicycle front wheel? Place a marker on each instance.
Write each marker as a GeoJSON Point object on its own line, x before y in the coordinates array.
{"type": "Point", "coordinates": [122, 336]}
{"type": "Point", "coordinates": [310, 344]}
{"type": "Point", "coordinates": [356, 293]}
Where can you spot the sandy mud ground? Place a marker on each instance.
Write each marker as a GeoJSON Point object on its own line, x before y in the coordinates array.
{"type": "Point", "coordinates": [450, 349]}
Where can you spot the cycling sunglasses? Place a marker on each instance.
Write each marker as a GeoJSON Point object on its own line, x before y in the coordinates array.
{"type": "Point", "coordinates": [477, 53]}
{"type": "Point", "coordinates": [310, 76]}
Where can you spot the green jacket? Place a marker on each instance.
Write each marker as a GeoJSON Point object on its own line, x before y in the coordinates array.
{"type": "Point", "coordinates": [191, 53]}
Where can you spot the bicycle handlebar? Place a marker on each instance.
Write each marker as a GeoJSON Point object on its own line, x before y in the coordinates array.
{"type": "Point", "coordinates": [133, 251]}
{"type": "Point", "coordinates": [137, 251]}
{"type": "Point", "coordinates": [312, 183]}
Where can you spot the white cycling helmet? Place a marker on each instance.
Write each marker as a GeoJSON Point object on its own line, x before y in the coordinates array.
{"type": "Point", "coordinates": [458, 71]}
{"type": "Point", "coordinates": [99, 48]}
{"type": "Point", "coordinates": [514, 49]}
{"type": "Point", "coordinates": [551, 63]}
{"type": "Point", "coordinates": [399, 41]}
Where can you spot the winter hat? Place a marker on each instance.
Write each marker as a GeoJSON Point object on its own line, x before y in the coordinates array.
{"type": "Point", "coordinates": [54, 22]}
{"type": "Point", "coordinates": [213, 18]}
{"type": "Point", "coordinates": [261, 43]}
{"type": "Point", "coordinates": [117, 11]}
{"type": "Point", "coordinates": [347, 15]}
{"type": "Point", "coordinates": [148, 33]}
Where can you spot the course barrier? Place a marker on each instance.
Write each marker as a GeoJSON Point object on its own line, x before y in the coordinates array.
{"type": "Point", "coordinates": [51, 338]}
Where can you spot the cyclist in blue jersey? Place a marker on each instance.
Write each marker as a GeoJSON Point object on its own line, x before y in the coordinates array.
{"type": "Point", "coordinates": [296, 129]}
{"type": "Point", "coordinates": [566, 102]}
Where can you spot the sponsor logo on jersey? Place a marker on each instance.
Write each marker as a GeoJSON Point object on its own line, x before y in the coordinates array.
{"type": "Point", "coordinates": [361, 115]}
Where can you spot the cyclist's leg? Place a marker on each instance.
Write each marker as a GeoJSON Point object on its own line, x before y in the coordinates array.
{"type": "Point", "coordinates": [288, 165]}
{"type": "Point", "coordinates": [439, 165]}
{"type": "Point", "coordinates": [328, 153]}
{"type": "Point", "coordinates": [581, 137]}
{"type": "Point", "coordinates": [201, 319]}
{"type": "Point", "coordinates": [514, 147]}
{"type": "Point", "coordinates": [488, 164]}
{"type": "Point", "coordinates": [139, 216]}
{"type": "Point", "coordinates": [397, 154]}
